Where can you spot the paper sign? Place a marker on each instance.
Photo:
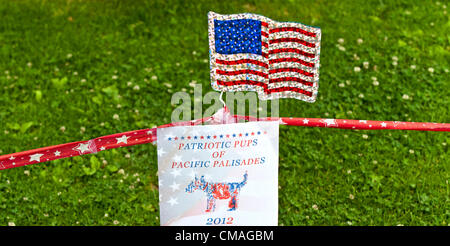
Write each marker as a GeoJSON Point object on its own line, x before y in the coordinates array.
{"type": "Point", "coordinates": [219, 174]}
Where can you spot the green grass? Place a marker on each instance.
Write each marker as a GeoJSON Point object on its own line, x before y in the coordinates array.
{"type": "Point", "coordinates": [59, 59]}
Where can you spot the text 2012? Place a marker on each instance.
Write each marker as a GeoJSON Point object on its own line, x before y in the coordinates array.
{"type": "Point", "coordinates": [219, 221]}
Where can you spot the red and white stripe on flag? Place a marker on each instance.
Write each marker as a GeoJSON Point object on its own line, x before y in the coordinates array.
{"type": "Point", "coordinates": [283, 62]}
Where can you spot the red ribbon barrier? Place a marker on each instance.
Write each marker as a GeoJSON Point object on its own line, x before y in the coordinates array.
{"type": "Point", "coordinates": [149, 135]}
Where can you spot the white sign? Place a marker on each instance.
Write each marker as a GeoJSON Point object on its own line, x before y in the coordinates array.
{"type": "Point", "coordinates": [219, 174]}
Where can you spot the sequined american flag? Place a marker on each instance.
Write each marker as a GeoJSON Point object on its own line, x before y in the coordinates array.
{"type": "Point", "coordinates": [249, 52]}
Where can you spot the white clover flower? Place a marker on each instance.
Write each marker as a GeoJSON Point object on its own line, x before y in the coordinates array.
{"type": "Point", "coordinates": [106, 215]}
{"type": "Point", "coordinates": [357, 69]}
{"type": "Point", "coordinates": [395, 58]}
{"type": "Point", "coordinates": [114, 77]}
{"type": "Point", "coordinates": [127, 156]}
{"type": "Point", "coordinates": [375, 83]}
{"type": "Point", "coordinates": [26, 172]}
{"type": "Point", "coordinates": [373, 78]}
{"type": "Point", "coordinates": [11, 223]}
{"type": "Point", "coordinates": [129, 83]}
{"type": "Point", "coordinates": [349, 171]}
{"type": "Point", "coordinates": [116, 116]}
{"type": "Point", "coordinates": [341, 48]}
{"type": "Point", "coordinates": [365, 136]}
{"type": "Point", "coordinates": [341, 40]}
{"type": "Point", "coordinates": [62, 128]}
{"type": "Point", "coordinates": [361, 95]}
{"type": "Point", "coordinates": [193, 83]}
{"type": "Point", "coordinates": [395, 63]}
{"type": "Point", "coordinates": [315, 207]}
{"type": "Point", "coordinates": [356, 57]}
{"type": "Point", "coordinates": [83, 80]}
{"type": "Point", "coordinates": [29, 64]}
{"type": "Point", "coordinates": [154, 77]}
{"type": "Point", "coordinates": [366, 65]}
{"type": "Point", "coordinates": [359, 41]}
{"type": "Point", "coordinates": [69, 55]}
{"type": "Point", "coordinates": [431, 70]}
{"type": "Point", "coordinates": [168, 85]}
{"type": "Point", "coordinates": [341, 85]}
{"type": "Point", "coordinates": [121, 171]}
{"type": "Point", "coordinates": [405, 97]}
{"type": "Point", "coordinates": [136, 87]}
{"type": "Point", "coordinates": [115, 222]}
{"type": "Point", "coordinates": [351, 196]}
{"type": "Point", "coordinates": [411, 151]}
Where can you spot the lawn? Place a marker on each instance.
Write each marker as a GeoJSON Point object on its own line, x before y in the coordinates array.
{"type": "Point", "coordinates": [68, 67]}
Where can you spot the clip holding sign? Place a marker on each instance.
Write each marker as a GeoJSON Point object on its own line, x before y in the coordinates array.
{"type": "Point", "coordinates": [223, 115]}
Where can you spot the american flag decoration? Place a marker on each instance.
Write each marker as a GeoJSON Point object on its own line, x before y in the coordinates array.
{"type": "Point", "coordinates": [250, 52]}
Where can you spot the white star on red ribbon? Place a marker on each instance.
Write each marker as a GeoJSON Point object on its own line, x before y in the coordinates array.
{"type": "Point", "coordinates": [122, 139]}
{"type": "Point", "coordinates": [36, 157]}
{"type": "Point", "coordinates": [82, 147]}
